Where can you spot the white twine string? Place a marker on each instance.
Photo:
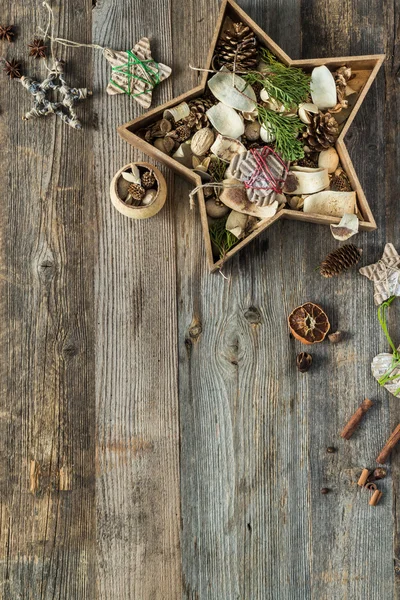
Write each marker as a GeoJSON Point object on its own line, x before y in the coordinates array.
{"type": "Point", "coordinates": [48, 33]}
{"type": "Point", "coordinates": [215, 71]}
{"type": "Point", "coordinates": [216, 184]}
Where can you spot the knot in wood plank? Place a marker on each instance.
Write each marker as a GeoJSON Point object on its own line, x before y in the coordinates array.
{"type": "Point", "coordinates": [253, 315]}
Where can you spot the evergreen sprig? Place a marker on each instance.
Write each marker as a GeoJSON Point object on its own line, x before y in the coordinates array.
{"type": "Point", "coordinates": [223, 239]}
{"type": "Point", "coordinates": [289, 86]}
{"type": "Point", "coordinates": [286, 129]}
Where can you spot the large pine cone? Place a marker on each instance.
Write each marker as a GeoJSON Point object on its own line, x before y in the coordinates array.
{"type": "Point", "coordinates": [339, 260]}
{"type": "Point", "coordinates": [321, 133]}
{"type": "Point", "coordinates": [237, 46]}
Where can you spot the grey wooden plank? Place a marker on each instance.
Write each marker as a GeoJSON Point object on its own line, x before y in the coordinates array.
{"type": "Point", "coordinates": [137, 431]}
{"type": "Point", "coordinates": [244, 437]}
{"type": "Point", "coordinates": [391, 182]}
{"type": "Point", "coordinates": [344, 561]}
{"type": "Point", "coordinates": [47, 365]}
{"type": "Point", "coordinates": [254, 431]}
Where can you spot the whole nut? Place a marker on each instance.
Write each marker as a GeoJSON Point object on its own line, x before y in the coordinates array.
{"type": "Point", "coordinates": [377, 474]}
{"type": "Point", "coordinates": [149, 197]}
{"type": "Point", "coordinates": [165, 126]}
{"type": "Point", "coordinates": [201, 141]}
{"type": "Point", "coordinates": [166, 145]}
{"type": "Point", "coordinates": [252, 131]}
{"type": "Point", "coordinates": [303, 361]}
{"type": "Point", "coordinates": [216, 209]}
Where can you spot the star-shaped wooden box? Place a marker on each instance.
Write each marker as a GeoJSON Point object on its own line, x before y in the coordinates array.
{"type": "Point", "coordinates": [365, 69]}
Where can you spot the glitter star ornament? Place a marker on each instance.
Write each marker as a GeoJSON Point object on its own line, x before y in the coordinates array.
{"type": "Point", "coordinates": [385, 275]}
{"type": "Point", "coordinates": [55, 82]}
{"type": "Point", "coordinates": [135, 72]}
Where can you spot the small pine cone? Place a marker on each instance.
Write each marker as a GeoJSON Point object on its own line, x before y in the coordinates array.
{"type": "Point", "coordinates": [148, 180]}
{"type": "Point", "coordinates": [198, 118]}
{"type": "Point", "coordinates": [181, 133]}
{"type": "Point", "coordinates": [237, 47]}
{"type": "Point", "coordinates": [136, 191]}
{"type": "Point", "coordinates": [322, 132]}
{"type": "Point", "coordinates": [339, 260]}
{"type": "Point", "coordinates": [342, 76]}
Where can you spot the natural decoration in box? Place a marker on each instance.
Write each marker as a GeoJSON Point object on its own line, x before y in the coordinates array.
{"type": "Point", "coordinates": [262, 138]}
{"type": "Point", "coordinates": [138, 190]}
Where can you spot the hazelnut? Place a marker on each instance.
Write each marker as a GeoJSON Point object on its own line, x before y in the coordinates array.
{"type": "Point", "coordinates": [303, 361]}
{"type": "Point", "coordinates": [336, 337]}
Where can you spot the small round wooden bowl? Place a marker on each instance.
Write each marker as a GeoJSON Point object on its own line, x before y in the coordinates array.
{"type": "Point", "coordinates": [139, 212]}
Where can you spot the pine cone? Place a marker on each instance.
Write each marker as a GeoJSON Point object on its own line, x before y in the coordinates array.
{"type": "Point", "coordinates": [198, 118]}
{"type": "Point", "coordinates": [237, 46]}
{"type": "Point", "coordinates": [339, 260]}
{"type": "Point", "coordinates": [148, 180]}
{"type": "Point", "coordinates": [322, 132]}
{"type": "Point", "coordinates": [181, 133]}
{"type": "Point", "coordinates": [342, 76]}
{"type": "Point", "coordinates": [136, 191]}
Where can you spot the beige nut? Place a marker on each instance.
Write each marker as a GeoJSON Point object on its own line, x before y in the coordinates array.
{"type": "Point", "coordinates": [201, 141]}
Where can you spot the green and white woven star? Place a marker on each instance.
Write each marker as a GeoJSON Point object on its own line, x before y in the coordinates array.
{"type": "Point", "coordinates": [135, 72]}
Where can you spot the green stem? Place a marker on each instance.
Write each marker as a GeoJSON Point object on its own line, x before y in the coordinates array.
{"type": "Point", "coordinates": [383, 322]}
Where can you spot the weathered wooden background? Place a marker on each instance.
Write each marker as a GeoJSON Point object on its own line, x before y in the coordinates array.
{"type": "Point", "coordinates": [156, 440]}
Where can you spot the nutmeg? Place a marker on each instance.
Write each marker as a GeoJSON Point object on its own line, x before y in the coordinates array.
{"type": "Point", "coordinates": [303, 361]}
{"type": "Point", "coordinates": [252, 131]}
{"type": "Point", "coordinates": [201, 141]}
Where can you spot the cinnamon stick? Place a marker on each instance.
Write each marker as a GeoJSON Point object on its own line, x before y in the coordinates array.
{"type": "Point", "coordinates": [389, 446]}
{"type": "Point", "coordinates": [376, 496]}
{"type": "Point", "coordinates": [363, 478]}
{"type": "Point", "coordinates": [355, 419]}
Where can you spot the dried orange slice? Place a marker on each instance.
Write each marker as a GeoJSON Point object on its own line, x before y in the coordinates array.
{"type": "Point", "coordinates": [308, 323]}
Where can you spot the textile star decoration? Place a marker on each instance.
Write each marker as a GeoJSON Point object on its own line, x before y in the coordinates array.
{"type": "Point", "coordinates": [385, 274]}
{"type": "Point", "coordinates": [135, 72]}
{"type": "Point", "coordinates": [55, 82]}
{"type": "Point", "coordinates": [365, 69]}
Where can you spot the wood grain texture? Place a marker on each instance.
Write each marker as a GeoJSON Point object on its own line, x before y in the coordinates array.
{"type": "Point", "coordinates": [106, 322]}
{"type": "Point", "coordinates": [47, 349]}
{"type": "Point", "coordinates": [137, 426]}
{"type": "Point", "coordinates": [254, 431]}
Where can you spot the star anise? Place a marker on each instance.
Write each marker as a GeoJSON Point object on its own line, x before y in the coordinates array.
{"type": "Point", "coordinates": [13, 69]}
{"type": "Point", "coordinates": [38, 48]}
{"type": "Point", "coordinates": [7, 32]}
